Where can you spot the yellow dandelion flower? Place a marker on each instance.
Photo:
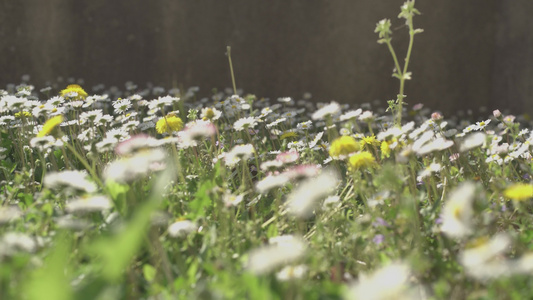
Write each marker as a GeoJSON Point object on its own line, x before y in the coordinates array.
{"type": "Point", "coordinates": [74, 92]}
{"type": "Point", "coordinates": [370, 141]}
{"type": "Point", "coordinates": [343, 146]}
{"type": "Point", "coordinates": [385, 149]}
{"type": "Point", "coordinates": [50, 125]}
{"type": "Point", "coordinates": [22, 114]}
{"type": "Point", "coordinates": [519, 191]}
{"type": "Point", "coordinates": [169, 124]}
{"type": "Point", "coordinates": [361, 160]}
{"type": "Point", "coordinates": [289, 134]}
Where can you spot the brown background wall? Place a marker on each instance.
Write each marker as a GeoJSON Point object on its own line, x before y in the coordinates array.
{"type": "Point", "coordinates": [473, 53]}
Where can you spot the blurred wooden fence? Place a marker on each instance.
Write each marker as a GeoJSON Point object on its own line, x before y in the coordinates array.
{"type": "Point", "coordinates": [473, 53]}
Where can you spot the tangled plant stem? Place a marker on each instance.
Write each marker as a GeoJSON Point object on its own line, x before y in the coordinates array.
{"type": "Point", "coordinates": [383, 29]}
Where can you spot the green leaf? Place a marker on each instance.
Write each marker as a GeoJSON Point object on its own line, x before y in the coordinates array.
{"type": "Point", "coordinates": [47, 208]}
{"type": "Point", "coordinates": [57, 154]}
{"type": "Point", "coordinates": [50, 280]}
{"type": "Point", "coordinates": [255, 287]}
{"type": "Point", "coordinates": [202, 200]}
{"type": "Point", "coordinates": [272, 230]}
{"type": "Point", "coordinates": [217, 174]}
{"type": "Point", "coordinates": [180, 283]}
{"type": "Point", "coordinates": [25, 198]}
{"type": "Point", "coordinates": [191, 272]}
{"type": "Point", "coordinates": [116, 189]}
{"type": "Point", "coordinates": [149, 272]}
{"type": "Point", "coordinates": [117, 251]}
{"type": "Point", "coordinates": [118, 192]}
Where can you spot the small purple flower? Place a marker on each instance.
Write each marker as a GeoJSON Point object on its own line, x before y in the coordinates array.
{"type": "Point", "coordinates": [378, 239]}
{"type": "Point", "coordinates": [380, 222]}
{"type": "Point", "coordinates": [504, 207]}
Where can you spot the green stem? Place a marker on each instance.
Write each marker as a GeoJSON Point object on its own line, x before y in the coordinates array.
{"type": "Point", "coordinates": [406, 64]}
{"type": "Point", "coordinates": [394, 57]}
{"type": "Point", "coordinates": [411, 41]}
{"type": "Point", "coordinates": [43, 163]}
{"type": "Point", "coordinates": [399, 72]}
{"type": "Point", "coordinates": [231, 70]}
{"type": "Point", "coordinates": [86, 165]}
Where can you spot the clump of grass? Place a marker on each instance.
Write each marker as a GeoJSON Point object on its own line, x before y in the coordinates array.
{"type": "Point", "coordinates": [135, 194]}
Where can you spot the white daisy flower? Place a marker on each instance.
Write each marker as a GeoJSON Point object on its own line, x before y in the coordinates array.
{"type": "Point", "coordinates": [289, 114]}
{"type": "Point", "coordinates": [88, 134]}
{"type": "Point", "coordinates": [135, 143]}
{"type": "Point", "coordinates": [42, 143]}
{"type": "Point", "coordinates": [270, 182]}
{"type": "Point", "coordinates": [458, 211]}
{"type": "Point", "coordinates": [92, 116]}
{"type": "Point", "coordinates": [303, 199]}
{"type": "Point", "coordinates": [389, 282]}
{"type": "Point", "coordinates": [131, 168]}
{"type": "Point", "coordinates": [15, 242]}
{"type": "Point", "coordinates": [292, 272]}
{"type": "Point", "coordinates": [106, 145]}
{"type": "Point", "coordinates": [135, 97]}
{"type": "Point", "coordinates": [484, 261]}
{"type": "Point", "coordinates": [181, 228]}
{"type": "Point", "coordinates": [328, 110]}
{"type": "Point", "coordinates": [9, 213]}
{"type": "Point", "coordinates": [130, 125]}
{"type": "Point", "coordinates": [276, 122]}
{"type": "Point", "coordinates": [245, 123]}
{"type": "Point", "coordinates": [71, 179]}
{"type": "Point", "coordinates": [353, 114]}
{"type": "Point", "coordinates": [117, 133]}
{"type": "Point", "coordinates": [304, 125]}
{"type": "Point", "coordinates": [196, 131]}
{"type": "Point", "coordinates": [238, 153]}
{"type": "Point", "coordinates": [316, 139]}
{"type": "Point", "coordinates": [6, 120]}
{"type": "Point", "coordinates": [161, 102]}
{"type": "Point", "coordinates": [473, 141]}
{"type": "Point", "coordinates": [366, 116]}
{"type": "Point", "coordinates": [121, 106]}
{"type": "Point", "coordinates": [432, 168]}
{"type": "Point", "coordinates": [210, 113]}
{"type": "Point", "coordinates": [267, 258]}
{"type": "Point", "coordinates": [88, 204]}
{"type": "Point", "coordinates": [232, 199]}
{"type": "Point", "coordinates": [469, 128]}
{"type": "Point", "coordinates": [285, 99]}
{"type": "Point", "coordinates": [14, 102]}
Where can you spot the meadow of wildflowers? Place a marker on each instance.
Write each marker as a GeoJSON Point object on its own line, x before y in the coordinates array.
{"type": "Point", "coordinates": [148, 193]}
